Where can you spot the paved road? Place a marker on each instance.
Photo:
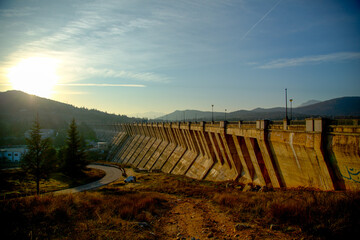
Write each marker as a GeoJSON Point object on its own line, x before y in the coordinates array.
{"type": "Point", "coordinates": [112, 174]}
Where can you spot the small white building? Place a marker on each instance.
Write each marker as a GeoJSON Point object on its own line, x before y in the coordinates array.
{"type": "Point", "coordinates": [12, 154]}
{"type": "Point", "coordinates": [45, 133]}
{"type": "Point", "coordinates": [102, 145]}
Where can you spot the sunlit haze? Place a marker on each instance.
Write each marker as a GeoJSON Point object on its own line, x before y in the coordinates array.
{"type": "Point", "coordinates": [131, 57]}
{"type": "Point", "coordinates": [34, 76]}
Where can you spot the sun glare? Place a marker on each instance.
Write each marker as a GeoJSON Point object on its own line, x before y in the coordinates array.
{"type": "Point", "coordinates": [35, 75]}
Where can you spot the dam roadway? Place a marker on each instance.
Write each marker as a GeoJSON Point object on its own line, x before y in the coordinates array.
{"type": "Point", "coordinates": [314, 153]}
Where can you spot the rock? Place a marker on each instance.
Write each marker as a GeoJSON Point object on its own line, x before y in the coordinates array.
{"type": "Point", "coordinates": [144, 225]}
{"type": "Point", "coordinates": [140, 170]}
{"type": "Point", "coordinates": [290, 229]}
{"type": "Point", "coordinates": [247, 188]}
{"type": "Point", "coordinates": [274, 227]}
{"type": "Point", "coordinates": [264, 189]}
{"type": "Point", "coordinates": [130, 179]}
{"type": "Point", "coordinates": [241, 226]}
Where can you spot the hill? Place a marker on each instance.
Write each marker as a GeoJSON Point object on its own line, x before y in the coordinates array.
{"type": "Point", "coordinates": [338, 107]}
{"type": "Point", "coordinates": [18, 111]}
{"type": "Point", "coordinates": [310, 102]}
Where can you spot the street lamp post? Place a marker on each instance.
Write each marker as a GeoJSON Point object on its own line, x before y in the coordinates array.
{"type": "Point", "coordinates": [225, 114]}
{"type": "Point", "coordinates": [286, 116]}
{"type": "Point", "coordinates": [212, 112]}
{"type": "Point", "coordinates": [291, 100]}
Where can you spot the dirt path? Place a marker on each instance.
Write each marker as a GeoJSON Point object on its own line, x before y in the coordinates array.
{"type": "Point", "coordinates": [195, 218]}
{"type": "Point", "coordinates": [198, 218]}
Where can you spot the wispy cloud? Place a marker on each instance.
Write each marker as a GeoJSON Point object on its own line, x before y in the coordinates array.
{"type": "Point", "coordinates": [147, 76]}
{"type": "Point", "coordinates": [315, 59]}
{"type": "Point", "coordinates": [69, 93]}
{"type": "Point", "coordinates": [26, 11]}
{"type": "Point", "coordinates": [99, 85]}
{"type": "Point", "coordinates": [97, 26]}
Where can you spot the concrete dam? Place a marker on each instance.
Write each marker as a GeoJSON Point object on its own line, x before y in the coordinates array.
{"type": "Point", "coordinates": [314, 153]}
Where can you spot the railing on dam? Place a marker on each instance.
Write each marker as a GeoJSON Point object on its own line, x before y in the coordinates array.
{"type": "Point", "coordinates": [315, 153]}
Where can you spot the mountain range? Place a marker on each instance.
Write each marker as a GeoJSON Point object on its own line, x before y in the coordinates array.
{"type": "Point", "coordinates": [333, 108]}
{"type": "Point", "coordinates": [18, 111]}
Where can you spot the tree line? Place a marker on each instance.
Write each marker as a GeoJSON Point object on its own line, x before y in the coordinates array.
{"type": "Point", "coordinates": [42, 159]}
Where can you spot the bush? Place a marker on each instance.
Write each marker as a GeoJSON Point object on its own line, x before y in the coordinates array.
{"type": "Point", "coordinates": [69, 216]}
{"type": "Point", "coordinates": [324, 214]}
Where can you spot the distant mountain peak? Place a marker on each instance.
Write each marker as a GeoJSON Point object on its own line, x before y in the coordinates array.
{"type": "Point", "coordinates": [310, 102]}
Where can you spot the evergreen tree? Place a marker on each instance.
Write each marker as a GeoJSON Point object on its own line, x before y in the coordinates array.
{"type": "Point", "coordinates": [39, 160]}
{"type": "Point", "coordinates": [74, 156]}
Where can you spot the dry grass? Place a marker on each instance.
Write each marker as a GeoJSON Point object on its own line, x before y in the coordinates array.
{"type": "Point", "coordinates": [16, 183]}
{"type": "Point", "coordinates": [316, 213]}
{"type": "Point", "coordinates": [114, 211]}
{"type": "Point", "coordinates": [183, 186]}
{"type": "Point", "coordinates": [82, 216]}
{"type": "Point", "coordinates": [320, 214]}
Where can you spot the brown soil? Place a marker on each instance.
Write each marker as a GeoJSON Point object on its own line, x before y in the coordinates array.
{"type": "Point", "coordinates": [198, 218]}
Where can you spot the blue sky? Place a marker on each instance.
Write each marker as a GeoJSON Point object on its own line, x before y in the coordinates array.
{"type": "Point", "coordinates": [131, 56]}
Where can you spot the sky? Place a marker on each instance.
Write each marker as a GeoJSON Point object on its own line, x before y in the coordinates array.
{"type": "Point", "coordinates": [130, 57]}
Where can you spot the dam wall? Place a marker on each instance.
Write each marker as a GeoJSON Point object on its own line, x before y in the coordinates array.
{"type": "Point", "coordinates": [313, 153]}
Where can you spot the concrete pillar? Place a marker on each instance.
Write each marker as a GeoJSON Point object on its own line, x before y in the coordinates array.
{"type": "Point", "coordinates": [319, 124]}
{"type": "Point", "coordinates": [215, 148]}
{"type": "Point", "coordinates": [258, 124]}
{"type": "Point", "coordinates": [223, 124]}
{"type": "Point", "coordinates": [254, 160]}
{"type": "Point", "coordinates": [232, 153]}
{"type": "Point", "coordinates": [200, 143]}
{"type": "Point", "coordinates": [202, 125]}
{"type": "Point", "coordinates": [207, 145]}
{"type": "Point", "coordinates": [221, 149]}
{"type": "Point", "coordinates": [309, 124]}
{"type": "Point", "coordinates": [244, 157]}
{"type": "Point", "coordinates": [285, 124]}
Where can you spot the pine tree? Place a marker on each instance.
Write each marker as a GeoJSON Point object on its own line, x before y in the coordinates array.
{"type": "Point", "coordinates": [75, 158]}
{"type": "Point", "coordinates": [39, 160]}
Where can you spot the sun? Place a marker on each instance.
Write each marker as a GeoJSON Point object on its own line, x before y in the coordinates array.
{"type": "Point", "coordinates": [34, 75]}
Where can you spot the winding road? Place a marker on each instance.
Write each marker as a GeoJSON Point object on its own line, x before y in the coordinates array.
{"type": "Point", "coordinates": [111, 174]}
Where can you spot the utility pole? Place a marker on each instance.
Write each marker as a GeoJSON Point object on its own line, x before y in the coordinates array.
{"type": "Point", "coordinates": [286, 116]}
{"type": "Point", "coordinates": [291, 100]}
{"type": "Point", "coordinates": [225, 114]}
{"type": "Point", "coordinates": [212, 113]}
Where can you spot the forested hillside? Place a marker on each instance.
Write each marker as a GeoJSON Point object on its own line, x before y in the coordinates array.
{"type": "Point", "coordinates": [18, 111]}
